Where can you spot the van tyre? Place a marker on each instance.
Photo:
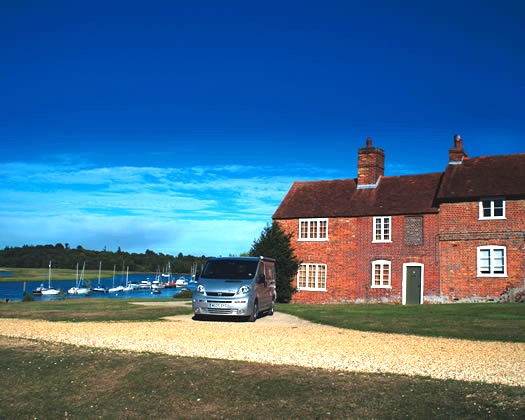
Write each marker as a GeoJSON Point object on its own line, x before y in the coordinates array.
{"type": "Point", "coordinates": [255, 312]}
{"type": "Point", "coordinates": [272, 308]}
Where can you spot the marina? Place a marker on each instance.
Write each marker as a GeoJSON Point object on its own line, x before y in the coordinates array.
{"type": "Point", "coordinates": [14, 291]}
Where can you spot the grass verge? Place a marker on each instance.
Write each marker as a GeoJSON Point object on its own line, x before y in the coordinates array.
{"type": "Point", "coordinates": [98, 310]}
{"type": "Point", "coordinates": [48, 381]}
{"type": "Point", "coordinates": [492, 322]}
{"type": "Point", "coordinates": [42, 274]}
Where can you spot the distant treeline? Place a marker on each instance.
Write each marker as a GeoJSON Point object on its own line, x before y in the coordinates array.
{"type": "Point", "coordinates": [62, 256]}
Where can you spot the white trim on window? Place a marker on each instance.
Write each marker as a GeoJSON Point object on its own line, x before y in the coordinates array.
{"type": "Point", "coordinates": [381, 273]}
{"type": "Point", "coordinates": [313, 230]}
{"type": "Point", "coordinates": [492, 208]}
{"type": "Point", "coordinates": [311, 277]}
{"type": "Point", "coordinates": [492, 261]}
{"type": "Point", "coordinates": [382, 229]}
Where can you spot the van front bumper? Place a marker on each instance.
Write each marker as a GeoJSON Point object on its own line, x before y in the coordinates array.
{"type": "Point", "coordinates": [206, 305]}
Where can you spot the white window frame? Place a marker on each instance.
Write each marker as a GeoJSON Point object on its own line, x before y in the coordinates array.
{"type": "Point", "coordinates": [491, 252]}
{"type": "Point", "coordinates": [319, 271]}
{"type": "Point", "coordinates": [384, 234]}
{"type": "Point", "coordinates": [491, 201]}
{"type": "Point", "coordinates": [386, 283]}
{"type": "Point", "coordinates": [313, 225]}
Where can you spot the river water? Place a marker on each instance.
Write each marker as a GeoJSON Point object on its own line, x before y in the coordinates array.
{"type": "Point", "coordinates": [14, 291]}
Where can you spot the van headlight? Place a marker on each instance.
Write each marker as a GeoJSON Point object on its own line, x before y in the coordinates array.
{"type": "Point", "coordinates": [200, 289]}
{"type": "Point", "coordinates": [243, 290]}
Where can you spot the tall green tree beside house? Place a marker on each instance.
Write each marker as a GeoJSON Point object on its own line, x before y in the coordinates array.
{"type": "Point", "coordinates": [275, 243]}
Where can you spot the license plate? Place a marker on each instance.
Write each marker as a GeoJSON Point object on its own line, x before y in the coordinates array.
{"type": "Point", "coordinates": [218, 305]}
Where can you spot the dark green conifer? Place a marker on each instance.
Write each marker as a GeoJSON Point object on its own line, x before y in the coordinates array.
{"type": "Point", "coordinates": [275, 243]}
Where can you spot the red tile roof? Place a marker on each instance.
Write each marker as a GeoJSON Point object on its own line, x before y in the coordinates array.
{"type": "Point", "coordinates": [317, 199]}
{"type": "Point", "coordinates": [491, 176]}
{"type": "Point", "coordinates": [394, 195]}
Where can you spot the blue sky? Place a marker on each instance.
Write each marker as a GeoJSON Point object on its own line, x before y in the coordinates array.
{"type": "Point", "coordinates": [180, 126]}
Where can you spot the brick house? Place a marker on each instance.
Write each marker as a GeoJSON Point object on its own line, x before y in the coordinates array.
{"type": "Point", "coordinates": [409, 239]}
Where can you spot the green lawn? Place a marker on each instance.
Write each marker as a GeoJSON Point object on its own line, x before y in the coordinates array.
{"type": "Point", "coordinates": [42, 274]}
{"type": "Point", "coordinates": [50, 381]}
{"type": "Point", "coordinates": [479, 321]}
{"type": "Point", "coordinates": [483, 321]}
{"type": "Point", "coordinates": [98, 310]}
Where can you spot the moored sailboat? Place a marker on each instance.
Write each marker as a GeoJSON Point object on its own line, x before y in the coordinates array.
{"type": "Point", "coordinates": [49, 291]}
{"type": "Point", "coordinates": [114, 289]}
{"type": "Point", "coordinates": [127, 287]}
{"type": "Point", "coordinates": [98, 288]}
{"type": "Point", "coordinates": [79, 288]}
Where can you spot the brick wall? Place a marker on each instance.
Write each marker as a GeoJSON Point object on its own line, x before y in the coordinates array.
{"type": "Point", "coordinates": [399, 253]}
{"type": "Point", "coordinates": [337, 254]}
{"type": "Point", "coordinates": [349, 254]}
{"type": "Point", "coordinates": [461, 233]}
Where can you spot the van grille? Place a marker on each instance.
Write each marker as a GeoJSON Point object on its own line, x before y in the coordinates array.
{"type": "Point", "coordinates": [222, 311]}
{"type": "Point", "coordinates": [220, 294]}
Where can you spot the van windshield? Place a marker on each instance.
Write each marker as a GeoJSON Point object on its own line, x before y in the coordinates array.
{"type": "Point", "coordinates": [230, 269]}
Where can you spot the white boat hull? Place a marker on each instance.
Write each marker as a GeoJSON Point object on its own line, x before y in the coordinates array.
{"type": "Point", "coordinates": [78, 291]}
{"type": "Point", "coordinates": [50, 292]}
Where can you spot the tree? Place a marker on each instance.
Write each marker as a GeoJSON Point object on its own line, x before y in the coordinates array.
{"type": "Point", "coordinates": [275, 243]}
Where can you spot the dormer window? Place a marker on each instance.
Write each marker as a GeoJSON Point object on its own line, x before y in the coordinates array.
{"type": "Point", "coordinates": [313, 229]}
{"type": "Point", "coordinates": [492, 209]}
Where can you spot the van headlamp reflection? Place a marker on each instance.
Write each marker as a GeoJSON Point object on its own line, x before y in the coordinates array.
{"type": "Point", "coordinates": [243, 290]}
{"type": "Point", "coordinates": [200, 289]}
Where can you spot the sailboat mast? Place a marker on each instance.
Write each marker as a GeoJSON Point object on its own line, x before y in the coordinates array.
{"type": "Point", "coordinates": [49, 275]}
{"type": "Point", "coordinates": [99, 268]}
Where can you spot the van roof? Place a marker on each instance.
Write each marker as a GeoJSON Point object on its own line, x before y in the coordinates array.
{"type": "Point", "coordinates": [244, 258]}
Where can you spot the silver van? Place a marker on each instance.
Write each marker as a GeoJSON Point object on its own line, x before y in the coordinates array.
{"type": "Point", "coordinates": [236, 286]}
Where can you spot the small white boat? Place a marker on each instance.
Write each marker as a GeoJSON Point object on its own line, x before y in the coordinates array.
{"type": "Point", "coordinates": [49, 291]}
{"type": "Point", "coordinates": [115, 289]}
{"type": "Point", "coordinates": [38, 291]}
{"type": "Point", "coordinates": [99, 288]}
{"type": "Point", "coordinates": [127, 287]}
{"type": "Point", "coordinates": [181, 282]}
{"type": "Point", "coordinates": [145, 284]}
{"type": "Point", "coordinates": [79, 289]}
{"type": "Point", "coordinates": [157, 284]}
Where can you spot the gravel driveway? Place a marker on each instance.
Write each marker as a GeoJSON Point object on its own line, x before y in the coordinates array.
{"type": "Point", "coordinates": [284, 339]}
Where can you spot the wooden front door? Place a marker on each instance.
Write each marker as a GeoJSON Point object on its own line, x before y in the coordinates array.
{"type": "Point", "coordinates": [413, 285]}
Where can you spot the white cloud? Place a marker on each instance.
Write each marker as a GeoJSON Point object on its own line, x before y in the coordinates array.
{"type": "Point", "coordinates": [198, 210]}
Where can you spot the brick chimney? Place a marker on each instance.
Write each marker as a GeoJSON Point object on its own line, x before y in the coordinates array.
{"type": "Point", "coordinates": [457, 153]}
{"type": "Point", "coordinates": [370, 165]}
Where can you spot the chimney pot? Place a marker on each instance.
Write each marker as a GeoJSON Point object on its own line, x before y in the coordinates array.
{"type": "Point", "coordinates": [457, 153]}
{"type": "Point", "coordinates": [370, 165]}
{"type": "Point", "coordinates": [458, 143]}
